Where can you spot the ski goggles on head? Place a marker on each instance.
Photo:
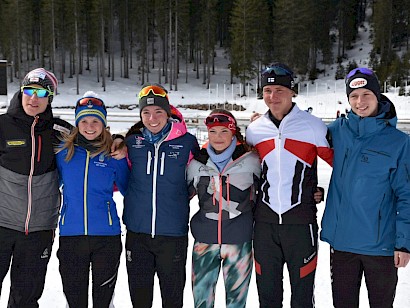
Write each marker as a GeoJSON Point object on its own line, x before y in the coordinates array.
{"type": "Point", "coordinates": [38, 91]}
{"type": "Point", "coordinates": [221, 119]}
{"type": "Point", "coordinates": [277, 70]}
{"type": "Point", "coordinates": [363, 70]}
{"type": "Point", "coordinates": [156, 90]}
{"type": "Point", "coordinates": [90, 101]}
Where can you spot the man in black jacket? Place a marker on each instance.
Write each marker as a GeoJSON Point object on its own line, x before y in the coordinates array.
{"type": "Point", "coordinates": [29, 190]}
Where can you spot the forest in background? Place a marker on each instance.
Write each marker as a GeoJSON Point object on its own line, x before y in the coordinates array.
{"type": "Point", "coordinates": [168, 37]}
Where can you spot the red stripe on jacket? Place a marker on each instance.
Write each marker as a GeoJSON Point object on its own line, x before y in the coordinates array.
{"type": "Point", "coordinates": [265, 147]}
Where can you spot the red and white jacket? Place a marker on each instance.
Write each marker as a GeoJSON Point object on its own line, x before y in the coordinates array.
{"type": "Point", "coordinates": [289, 165]}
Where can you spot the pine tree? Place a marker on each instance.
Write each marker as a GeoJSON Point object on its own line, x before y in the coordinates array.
{"type": "Point", "coordinates": [291, 40]}
{"type": "Point", "coordinates": [340, 72]}
{"type": "Point", "coordinates": [322, 17]}
{"type": "Point", "coordinates": [382, 21]}
{"type": "Point", "coordinates": [8, 30]}
{"type": "Point", "coordinates": [400, 26]}
{"type": "Point", "coordinates": [208, 37]}
{"type": "Point", "coordinates": [243, 31]}
{"type": "Point", "coordinates": [224, 17]}
{"type": "Point", "coordinates": [347, 25]}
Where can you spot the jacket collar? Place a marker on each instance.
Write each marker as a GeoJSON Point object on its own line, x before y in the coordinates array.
{"type": "Point", "coordinates": [370, 125]}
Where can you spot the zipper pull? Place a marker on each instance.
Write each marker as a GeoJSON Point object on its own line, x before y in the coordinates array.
{"type": "Point", "coordinates": [109, 213]}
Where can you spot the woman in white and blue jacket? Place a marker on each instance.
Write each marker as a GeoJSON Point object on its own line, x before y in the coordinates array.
{"type": "Point", "coordinates": [90, 231]}
{"type": "Point", "coordinates": [156, 205]}
{"type": "Point", "coordinates": [367, 215]}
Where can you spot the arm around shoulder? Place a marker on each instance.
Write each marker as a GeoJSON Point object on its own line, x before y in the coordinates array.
{"type": "Point", "coordinates": [122, 175]}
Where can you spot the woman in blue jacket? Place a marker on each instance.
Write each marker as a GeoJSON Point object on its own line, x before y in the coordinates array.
{"type": "Point", "coordinates": [90, 229]}
{"type": "Point", "coordinates": [367, 215]}
{"type": "Point", "coordinates": [156, 205]}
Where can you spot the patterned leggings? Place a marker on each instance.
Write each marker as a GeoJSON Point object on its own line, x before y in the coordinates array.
{"type": "Point", "coordinates": [237, 261]}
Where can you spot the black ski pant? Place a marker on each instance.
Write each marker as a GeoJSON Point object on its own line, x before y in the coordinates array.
{"type": "Point", "coordinates": [295, 245]}
{"type": "Point", "coordinates": [347, 270]}
{"type": "Point", "coordinates": [29, 255]}
{"type": "Point", "coordinates": [75, 254]}
{"type": "Point", "coordinates": [164, 255]}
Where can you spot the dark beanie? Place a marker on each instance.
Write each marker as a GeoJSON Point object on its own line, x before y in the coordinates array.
{"type": "Point", "coordinates": [154, 95]}
{"type": "Point", "coordinates": [43, 78]}
{"type": "Point", "coordinates": [278, 74]}
{"type": "Point", "coordinates": [357, 80]}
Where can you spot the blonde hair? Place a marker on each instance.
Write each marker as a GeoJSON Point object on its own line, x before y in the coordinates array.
{"type": "Point", "coordinates": [102, 143]}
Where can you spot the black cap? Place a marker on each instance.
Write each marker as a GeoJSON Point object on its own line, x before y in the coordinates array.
{"type": "Point", "coordinates": [153, 99]}
{"type": "Point", "coordinates": [278, 74]}
{"type": "Point", "coordinates": [362, 78]}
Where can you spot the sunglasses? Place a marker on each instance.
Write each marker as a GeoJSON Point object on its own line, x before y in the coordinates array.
{"type": "Point", "coordinates": [363, 70]}
{"type": "Point", "coordinates": [156, 90]}
{"type": "Point", "coordinates": [278, 70]}
{"type": "Point", "coordinates": [90, 101]}
{"type": "Point", "coordinates": [218, 118]}
{"type": "Point", "coordinates": [39, 92]}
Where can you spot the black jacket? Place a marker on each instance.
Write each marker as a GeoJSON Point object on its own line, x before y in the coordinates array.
{"type": "Point", "coordinates": [29, 194]}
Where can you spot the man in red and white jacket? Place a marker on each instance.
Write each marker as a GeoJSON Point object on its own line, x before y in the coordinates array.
{"type": "Point", "coordinates": [288, 141]}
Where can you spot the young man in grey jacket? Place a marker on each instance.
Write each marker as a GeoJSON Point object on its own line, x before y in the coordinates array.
{"type": "Point", "coordinates": [29, 193]}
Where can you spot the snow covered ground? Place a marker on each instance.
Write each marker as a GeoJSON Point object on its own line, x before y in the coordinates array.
{"type": "Point", "coordinates": [53, 296]}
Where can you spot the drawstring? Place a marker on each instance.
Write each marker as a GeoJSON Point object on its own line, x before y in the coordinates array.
{"type": "Point", "coordinates": [220, 212]}
{"type": "Point", "coordinates": [213, 190]}
{"type": "Point", "coordinates": [39, 149]}
{"type": "Point", "coordinates": [228, 184]}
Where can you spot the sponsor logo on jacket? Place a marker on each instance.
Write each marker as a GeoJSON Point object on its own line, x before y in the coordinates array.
{"type": "Point", "coordinates": [138, 142]}
{"type": "Point", "coordinates": [16, 143]}
{"type": "Point", "coordinates": [61, 129]}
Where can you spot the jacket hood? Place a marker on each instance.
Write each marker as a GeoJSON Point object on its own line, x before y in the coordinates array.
{"type": "Point", "coordinates": [386, 116]}
{"type": "Point", "coordinates": [178, 127]}
{"type": "Point", "coordinates": [387, 110]}
{"type": "Point", "coordinates": [16, 110]}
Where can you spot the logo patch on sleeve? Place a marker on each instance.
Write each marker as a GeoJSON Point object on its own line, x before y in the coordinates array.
{"type": "Point", "coordinates": [16, 143]}
{"type": "Point", "coordinates": [61, 129]}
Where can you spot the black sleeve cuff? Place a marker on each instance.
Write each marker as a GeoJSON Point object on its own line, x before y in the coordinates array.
{"type": "Point", "coordinates": [117, 136]}
{"type": "Point", "coordinates": [323, 192]}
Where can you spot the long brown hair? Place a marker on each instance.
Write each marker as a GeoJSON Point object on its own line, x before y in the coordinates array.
{"type": "Point", "coordinates": [102, 143]}
{"type": "Point", "coordinates": [238, 133]}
